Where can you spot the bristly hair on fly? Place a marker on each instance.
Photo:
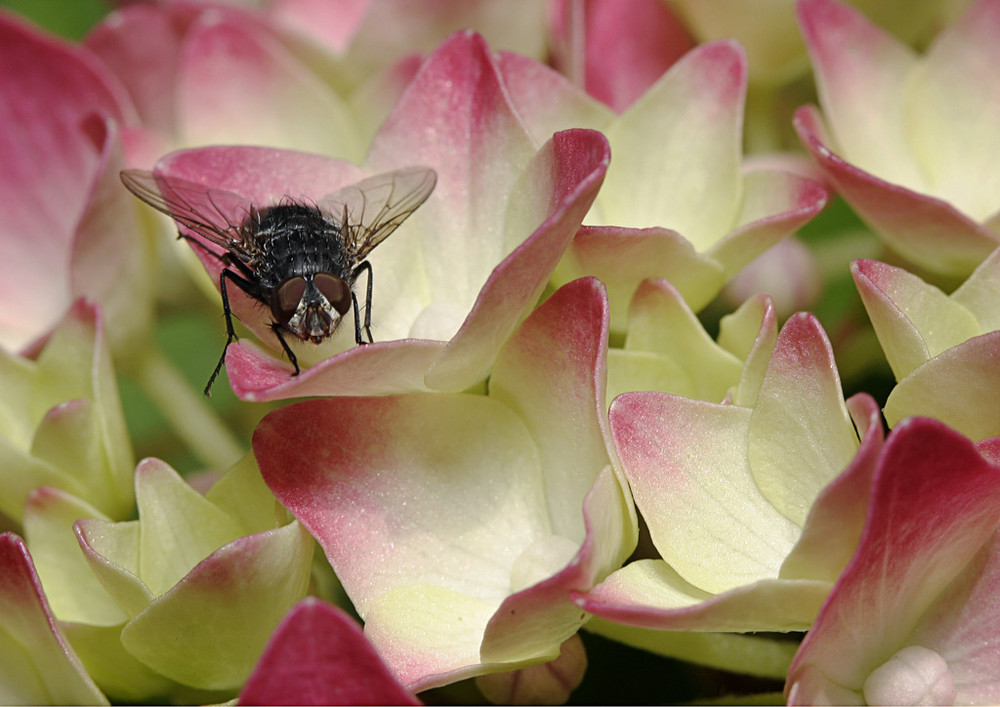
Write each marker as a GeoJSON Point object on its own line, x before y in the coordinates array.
{"type": "Point", "coordinates": [300, 260]}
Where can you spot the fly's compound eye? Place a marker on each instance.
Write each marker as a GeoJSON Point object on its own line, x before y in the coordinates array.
{"type": "Point", "coordinates": [336, 291]}
{"type": "Point", "coordinates": [285, 299]}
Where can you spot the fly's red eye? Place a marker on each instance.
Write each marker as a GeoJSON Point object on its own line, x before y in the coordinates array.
{"type": "Point", "coordinates": [285, 299]}
{"type": "Point", "coordinates": [336, 291]}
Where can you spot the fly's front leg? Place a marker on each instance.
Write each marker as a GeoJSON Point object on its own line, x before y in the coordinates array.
{"type": "Point", "coordinates": [230, 330]}
{"type": "Point", "coordinates": [368, 305]}
{"type": "Point", "coordinates": [276, 328]}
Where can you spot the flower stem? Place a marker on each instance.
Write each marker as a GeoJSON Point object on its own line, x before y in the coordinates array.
{"type": "Point", "coordinates": [187, 411]}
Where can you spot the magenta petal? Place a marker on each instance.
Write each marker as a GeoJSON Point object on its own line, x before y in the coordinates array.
{"type": "Point", "coordinates": [318, 655]}
{"type": "Point", "coordinates": [935, 502]}
{"type": "Point", "coordinates": [928, 231]}
{"type": "Point", "coordinates": [619, 71]}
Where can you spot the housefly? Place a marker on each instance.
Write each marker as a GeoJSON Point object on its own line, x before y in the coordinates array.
{"type": "Point", "coordinates": [299, 259]}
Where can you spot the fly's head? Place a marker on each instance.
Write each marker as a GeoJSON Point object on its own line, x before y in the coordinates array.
{"type": "Point", "coordinates": [311, 307]}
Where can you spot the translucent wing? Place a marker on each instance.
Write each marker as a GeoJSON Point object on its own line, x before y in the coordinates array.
{"type": "Point", "coordinates": [214, 214]}
{"type": "Point", "coordinates": [375, 207]}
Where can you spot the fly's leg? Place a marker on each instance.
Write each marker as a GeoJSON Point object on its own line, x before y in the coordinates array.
{"type": "Point", "coordinates": [276, 328]}
{"type": "Point", "coordinates": [251, 289]}
{"type": "Point", "coordinates": [368, 305]}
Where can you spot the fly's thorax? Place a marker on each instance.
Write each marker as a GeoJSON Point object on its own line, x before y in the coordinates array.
{"type": "Point", "coordinates": [295, 240]}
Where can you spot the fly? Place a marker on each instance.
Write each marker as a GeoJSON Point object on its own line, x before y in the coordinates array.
{"type": "Point", "coordinates": [300, 260]}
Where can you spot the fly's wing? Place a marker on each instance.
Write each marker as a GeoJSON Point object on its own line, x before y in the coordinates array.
{"type": "Point", "coordinates": [216, 215]}
{"type": "Point", "coordinates": [375, 207]}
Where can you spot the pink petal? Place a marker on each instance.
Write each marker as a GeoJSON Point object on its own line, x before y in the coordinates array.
{"type": "Point", "coordinates": [954, 108]}
{"type": "Point", "coordinates": [50, 671]}
{"type": "Point", "coordinates": [678, 150]}
{"type": "Point", "coordinates": [775, 205]}
{"type": "Point", "coordinates": [962, 628]}
{"type": "Point", "coordinates": [141, 44]}
{"type": "Point", "coordinates": [570, 168]}
{"type": "Point", "coordinates": [861, 74]}
{"type": "Point", "coordinates": [623, 257]}
{"type": "Point", "coordinates": [934, 504]}
{"type": "Point", "coordinates": [546, 100]}
{"type": "Point", "coordinates": [318, 655]}
{"type": "Point", "coordinates": [618, 72]}
{"type": "Point", "coordinates": [332, 24]}
{"type": "Point", "coordinates": [381, 368]}
{"type": "Point", "coordinates": [446, 496]}
{"type": "Point", "coordinates": [237, 83]}
{"type": "Point", "coordinates": [928, 231]}
{"type": "Point", "coordinates": [456, 118]}
{"type": "Point", "coordinates": [54, 98]}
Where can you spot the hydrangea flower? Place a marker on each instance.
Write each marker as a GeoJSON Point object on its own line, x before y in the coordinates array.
{"type": "Point", "coordinates": [913, 618]}
{"type": "Point", "coordinates": [458, 524]}
{"type": "Point", "coordinates": [679, 202]}
{"type": "Point", "coordinates": [186, 595]}
{"type": "Point", "coordinates": [61, 423]}
{"type": "Point", "coordinates": [755, 505]}
{"type": "Point", "coordinates": [943, 349]}
{"type": "Point", "coordinates": [667, 349]}
{"type": "Point", "coordinates": [456, 279]}
{"type": "Point", "coordinates": [910, 141]}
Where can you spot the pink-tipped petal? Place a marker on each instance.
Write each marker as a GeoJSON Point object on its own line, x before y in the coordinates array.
{"type": "Point", "coordinates": [928, 231]}
{"type": "Point", "coordinates": [650, 594]}
{"type": "Point", "coordinates": [950, 387]}
{"type": "Point", "coordinates": [547, 101]}
{"type": "Point", "coordinates": [677, 151]}
{"type": "Point", "coordinates": [715, 528]}
{"type": "Point", "coordinates": [318, 655]}
{"type": "Point", "coordinates": [570, 169]}
{"type": "Point", "coordinates": [800, 435]}
{"type": "Point", "coordinates": [39, 665]}
{"type": "Point", "coordinates": [835, 521]}
{"type": "Point", "coordinates": [233, 598]}
{"type": "Point", "coordinates": [623, 257]}
{"type": "Point", "coordinates": [775, 205]}
{"type": "Point", "coordinates": [861, 75]}
{"type": "Point", "coordinates": [914, 321]}
{"type": "Point", "coordinates": [456, 118]}
{"type": "Point", "coordinates": [382, 368]}
{"type": "Point", "coordinates": [934, 505]}
{"type": "Point", "coordinates": [953, 110]}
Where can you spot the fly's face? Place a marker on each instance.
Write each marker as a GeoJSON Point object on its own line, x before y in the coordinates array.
{"type": "Point", "coordinates": [311, 307]}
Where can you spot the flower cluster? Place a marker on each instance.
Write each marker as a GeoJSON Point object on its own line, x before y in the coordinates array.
{"type": "Point", "coordinates": [575, 396]}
